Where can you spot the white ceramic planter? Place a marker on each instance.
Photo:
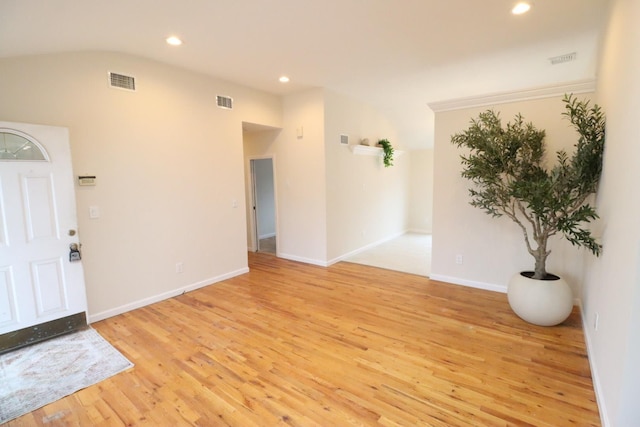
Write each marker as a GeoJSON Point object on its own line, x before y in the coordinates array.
{"type": "Point", "coordinates": [541, 302]}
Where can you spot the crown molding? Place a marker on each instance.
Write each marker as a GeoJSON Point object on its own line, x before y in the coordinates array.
{"type": "Point", "coordinates": [579, 86]}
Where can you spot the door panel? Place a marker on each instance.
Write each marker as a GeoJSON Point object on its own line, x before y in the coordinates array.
{"type": "Point", "coordinates": [49, 287]}
{"type": "Point", "coordinates": [3, 221]}
{"type": "Point", "coordinates": [39, 207]}
{"type": "Point", "coordinates": [8, 308]}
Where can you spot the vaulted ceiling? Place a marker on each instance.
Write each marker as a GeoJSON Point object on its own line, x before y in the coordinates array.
{"type": "Point", "coordinates": [397, 55]}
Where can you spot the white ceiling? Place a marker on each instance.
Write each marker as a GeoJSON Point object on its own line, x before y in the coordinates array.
{"type": "Point", "coordinates": [397, 55]}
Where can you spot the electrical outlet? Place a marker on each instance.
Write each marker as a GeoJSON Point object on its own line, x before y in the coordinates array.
{"type": "Point", "coordinates": [179, 267]}
{"type": "Point", "coordinates": [459, 259]}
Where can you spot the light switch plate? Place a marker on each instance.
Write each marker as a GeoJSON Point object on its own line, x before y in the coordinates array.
{"type": "Point", "coordinates": [94, 212]}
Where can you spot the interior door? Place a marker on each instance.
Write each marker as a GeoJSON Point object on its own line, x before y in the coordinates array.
{"type": "Point", "coordinates": [38, 281]}
{"type": "Point", "coordinates": [254, 205]}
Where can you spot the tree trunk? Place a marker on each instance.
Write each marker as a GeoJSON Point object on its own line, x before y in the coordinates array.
{"type": "Point", "coordinates": [540, 269]}
{"type": "Point", "coordinates": [540, 255]}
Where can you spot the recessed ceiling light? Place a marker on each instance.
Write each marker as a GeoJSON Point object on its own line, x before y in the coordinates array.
{"type": "Point", "coordinates": [284, 79]}
{"type": "Point", "coordinates": [174, 41]}
{"type": "Point", "coordinates": [521, 8]}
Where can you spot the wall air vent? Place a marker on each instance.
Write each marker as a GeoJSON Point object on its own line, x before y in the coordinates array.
{"type": "Point", "coordinates": [567, 57]}
{"type": "Point", "coordinates": [121, 81]}
{"type": "Point", "coordinates": [224, 102]}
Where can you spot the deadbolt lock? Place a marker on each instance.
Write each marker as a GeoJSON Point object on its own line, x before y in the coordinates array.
{"type": "Point", "coordinates": [74, 252]}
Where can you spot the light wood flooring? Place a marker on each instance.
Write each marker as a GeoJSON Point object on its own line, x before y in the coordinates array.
{"type": "Point", "coordinates": [300, 345]}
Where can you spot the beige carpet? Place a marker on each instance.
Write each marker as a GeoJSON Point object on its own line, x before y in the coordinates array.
{"type": "Point", "coordinates": [268, 245]}
{"type": "Point", "coordinates": [409, 253]}
{"type": "Point", "coordinates": [34, 376]}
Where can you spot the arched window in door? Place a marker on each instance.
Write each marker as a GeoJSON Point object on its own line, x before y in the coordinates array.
{"type": "Point", "coordinates": [15, 145]}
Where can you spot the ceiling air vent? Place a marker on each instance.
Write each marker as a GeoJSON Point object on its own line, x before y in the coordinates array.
{"type": "Point", "coordinates": [567, 57]}
{"type": "Point", "coordinates": [224, 102]}
{"type": "Point", "coordinates": [121, 81]}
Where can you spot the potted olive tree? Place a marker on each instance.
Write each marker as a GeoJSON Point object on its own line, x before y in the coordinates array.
{"type": "Point", "coordinates": [506, 167]}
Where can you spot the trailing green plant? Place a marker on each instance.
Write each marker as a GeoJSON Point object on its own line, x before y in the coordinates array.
{"type": "Point", "coordinates": [388, 152]}
{"type": "Point", "coordinates": [506, 167]}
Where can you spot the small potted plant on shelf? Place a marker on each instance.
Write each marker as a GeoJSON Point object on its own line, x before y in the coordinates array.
{"type": "Point", "coordinates": [388, 152]}
{"type": "Point", "coordinates": [506, 166]}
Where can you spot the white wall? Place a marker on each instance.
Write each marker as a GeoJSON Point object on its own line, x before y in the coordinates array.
{"type": "Point", "coordinates": [421, 191]}
{"type": "Point", "coordinates": [168, 162]}
{"type": "Point", "coordinates": [300, 179]}
{"type": "Point", "coordinates": [493, 249]}
{"type": "Point", "coordinates": [612, 286]}
{"type": "Point", "coordinates": [366, 202]}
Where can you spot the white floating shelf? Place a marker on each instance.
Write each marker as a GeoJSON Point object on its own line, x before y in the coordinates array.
{"type": "Point", "coordinates": [365, 150]}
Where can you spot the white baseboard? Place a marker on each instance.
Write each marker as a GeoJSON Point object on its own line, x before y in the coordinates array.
{"type": "Point", "coordinates": [419, 231]}
{"type": "Point", "coordinates": [478, 285]}
{"type": "Point", "coordinates": [595, 376]}
{"type": "Point", "coordinates": [302, 259]}
{"type": "Point", "coordinates": [469, 283]}
{"type": "Point", "coordinates": [341, 257]}
{"type": "Point", "coordinates": [364, 248]}
{"type": "Point", "coordinates": [163, 296]}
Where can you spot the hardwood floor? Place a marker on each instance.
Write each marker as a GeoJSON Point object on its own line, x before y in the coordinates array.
{"type": "Point", "coordinates": [294, 344]}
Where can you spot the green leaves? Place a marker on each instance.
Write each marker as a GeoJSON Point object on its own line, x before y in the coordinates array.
{"type": "Point", "coordinates": [505, 164]}
{"type": "Point", "coordinates": [388, 152]}
{"type": "Point", "coordinates": [589, 122]}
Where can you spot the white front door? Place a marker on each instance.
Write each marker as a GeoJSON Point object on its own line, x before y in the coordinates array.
{"type": "Point", "coordinates": [38, 223]}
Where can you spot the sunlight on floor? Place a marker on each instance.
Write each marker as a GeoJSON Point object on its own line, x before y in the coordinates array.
{"type": "Point", "coordinates": [409, 253]}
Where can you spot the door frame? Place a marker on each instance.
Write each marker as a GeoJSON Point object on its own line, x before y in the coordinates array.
{"type": "Point", "coordinates": [252, 204]}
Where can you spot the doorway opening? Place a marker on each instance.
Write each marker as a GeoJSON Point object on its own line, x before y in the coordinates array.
{"type": "Point", "coordinates": [263, 205]}
{"type": "Point", "coordinates": [261, 195]}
